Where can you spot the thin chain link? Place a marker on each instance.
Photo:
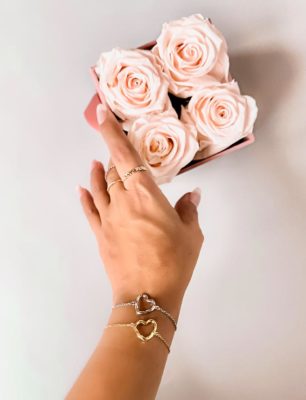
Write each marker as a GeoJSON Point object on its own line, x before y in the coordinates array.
{"type": "Point", "coordinates": [167, 315]}
{"type": "Point", "coordinates": [131, 325]}
{"type": "Point", "coordinates": [163, 340]}
{"type": "Point", "coordinates": [131, 303]}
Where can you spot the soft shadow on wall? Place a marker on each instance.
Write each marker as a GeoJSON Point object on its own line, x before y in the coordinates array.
{"type": "Point", "coordinates": [265, 75]}
{"type": "Point", "coordinates": [268, 76]}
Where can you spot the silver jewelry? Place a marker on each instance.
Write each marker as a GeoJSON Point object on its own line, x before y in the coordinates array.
{"type": "Point", "coordinates": [153, 306]}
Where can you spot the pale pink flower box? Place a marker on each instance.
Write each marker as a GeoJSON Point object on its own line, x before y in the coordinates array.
{"type": "Point", "coordinates": [90, 115]}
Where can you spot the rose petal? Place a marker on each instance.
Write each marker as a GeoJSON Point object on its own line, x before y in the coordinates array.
{"type": "Point", "coordinates": [221, 116]}
{"type": "Point", "coordinates": [193, 53]}
{"type": "Point", "coordinates": [164, 144]}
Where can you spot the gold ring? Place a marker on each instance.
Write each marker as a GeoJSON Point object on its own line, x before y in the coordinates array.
{"type": "Point", "coordinates": [112, 183]}
{"type": "Point", "coordinates": [110, 168]}
{"type": "Point", "coordinates": [132, 171]}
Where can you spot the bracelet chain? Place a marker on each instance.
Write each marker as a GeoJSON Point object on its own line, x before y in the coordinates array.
{"type": "Point", "coordinates": [154, 306]}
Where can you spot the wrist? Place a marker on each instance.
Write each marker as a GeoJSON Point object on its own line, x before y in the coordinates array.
{"type": "Point", "coordinates": [163, 309]}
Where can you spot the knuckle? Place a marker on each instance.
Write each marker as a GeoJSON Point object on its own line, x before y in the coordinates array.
{"type": "Point", "coordinates": [96, 186]}
{"type": "Point", "coordinates": [90, 211]}
{"type": "Point", "coordinates": [123, 152]}
{"type": "Point", "coordinates": [108, 126]}
{"type": "Point", "coordinates": [98, 190]}
{"type": "Point", "coordinates": [143, 181]}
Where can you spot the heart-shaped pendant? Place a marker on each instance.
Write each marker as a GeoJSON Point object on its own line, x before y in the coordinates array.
{"type": "Point", "coordinates": [145, 323]}
{"type": "Point", "coordinates": [144, 298]}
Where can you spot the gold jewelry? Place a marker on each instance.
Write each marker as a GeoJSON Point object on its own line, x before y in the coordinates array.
{"type": "Point", "coordinates": [140, 336]}
{"type": "Point", "coordinates": [109, 169]}
{"type": "Point", "coordinates": [132, 171]}
{"type": "Point", "coordinates": [113, 183]}
{"type": "Point", "coordinates": [153, 306]}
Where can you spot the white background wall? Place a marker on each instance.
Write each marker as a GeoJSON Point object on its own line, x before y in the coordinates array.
{"type": "Point", "coordinates": [243, 323]}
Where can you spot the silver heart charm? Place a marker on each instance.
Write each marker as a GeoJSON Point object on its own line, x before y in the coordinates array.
{"type": "Point", "coordinates": [144, 298]}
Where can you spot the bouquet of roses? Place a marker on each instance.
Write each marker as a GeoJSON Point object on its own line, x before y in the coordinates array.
{"type": "Point", "coordinates": [176, 101]}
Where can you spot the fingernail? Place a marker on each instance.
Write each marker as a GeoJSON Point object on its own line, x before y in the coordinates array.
{"type": "Point", "coordinates": [101, 113]}
{"type": "Point", "coordinates": [78, 189]}
{"type": "Point", "coordinates": [93, 163]}
{"type": "Point", "coordinates": [96, 163]}
{"type": "Point", "coordinates": [102, 97]}
{"type": "Point", "coordinates": [195, 196]}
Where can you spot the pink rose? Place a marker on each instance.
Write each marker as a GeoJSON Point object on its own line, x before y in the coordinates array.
{"type": "Point", "coordinates": [164, 144]}
{"type": "Point", "coordinates": [221, 116]}
{"type": "Point", "coordinates": [193, 53]}
{"type": "Point", "coordinates": [132, 82]}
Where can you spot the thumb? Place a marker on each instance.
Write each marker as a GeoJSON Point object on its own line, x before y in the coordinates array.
{"type": "Point", "coordinates": [187, 205]}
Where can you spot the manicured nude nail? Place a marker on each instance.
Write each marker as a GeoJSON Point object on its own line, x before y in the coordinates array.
{"type": "Point", "coordinates": [102, 98]}
{"type": "Point", "coordinates": [101, 113]}
{"type": "Point", "coordinates": [96, 163]}
{"type": "Point", "coordinates": [78, 188]}
{"type": "Point", "coordinates": [195, 196]}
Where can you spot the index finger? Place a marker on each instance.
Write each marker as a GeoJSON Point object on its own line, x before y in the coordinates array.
{"type": "Point", "coordinates": [123, 153]}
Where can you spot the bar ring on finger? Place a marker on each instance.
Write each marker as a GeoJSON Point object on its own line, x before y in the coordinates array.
{"type": "Point", "coordinates": [132, 171]}
{"type": "Point", "coordinates": [113, 183]}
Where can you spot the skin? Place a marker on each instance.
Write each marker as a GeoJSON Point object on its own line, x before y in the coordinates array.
{"type": "Point", "coordinates": [145, 245]}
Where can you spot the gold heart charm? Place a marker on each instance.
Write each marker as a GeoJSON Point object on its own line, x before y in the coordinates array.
{"type": "Point", "coordinates": [144, 298]}
{"type": "Point", "coordinates": [145, 323]}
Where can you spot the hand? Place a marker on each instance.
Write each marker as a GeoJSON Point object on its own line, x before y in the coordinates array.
{"type": "Point", "coordinates": [145, 244]}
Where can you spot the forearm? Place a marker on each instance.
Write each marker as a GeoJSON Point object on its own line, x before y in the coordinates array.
{"type": "Point", "coordinates": [122, 366]}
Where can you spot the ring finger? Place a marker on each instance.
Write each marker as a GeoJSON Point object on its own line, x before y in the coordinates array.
{"type": "Point", "coordinates": [115, 185]}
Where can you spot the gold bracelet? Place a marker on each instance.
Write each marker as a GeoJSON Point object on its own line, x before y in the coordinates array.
{"type": "Point", "coordinates": [144, 297]}
{"type": "Point", "coordinates": [134, 326]}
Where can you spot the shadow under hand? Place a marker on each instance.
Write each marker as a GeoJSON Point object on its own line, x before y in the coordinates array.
{"type": "Point", "coordinates": [266, 75]}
